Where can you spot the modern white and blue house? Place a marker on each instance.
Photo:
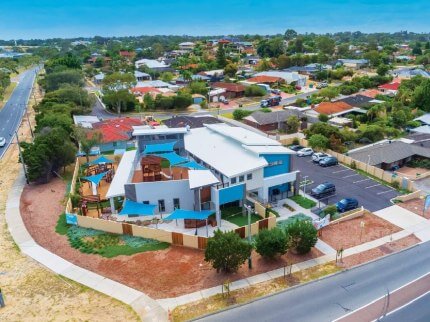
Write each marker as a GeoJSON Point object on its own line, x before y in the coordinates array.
{"type": "Point", "coordinates": [203, 169]}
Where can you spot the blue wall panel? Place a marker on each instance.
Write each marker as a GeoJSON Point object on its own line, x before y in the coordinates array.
{"type": "Point", "coordinates": [275, 170]}
{"type": "Point", "coordinates": [231, 194]}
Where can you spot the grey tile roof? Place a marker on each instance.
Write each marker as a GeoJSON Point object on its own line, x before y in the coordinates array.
{"type": "Point", "coordinates": [192, 121]}
{"type": "Point", "coordinates": [357, 100]}
{"type": "Point", "coordinates": [262, 118]}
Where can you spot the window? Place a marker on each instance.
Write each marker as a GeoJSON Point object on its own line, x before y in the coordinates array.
{"type": "Point", "coordinates": [241, 178]}
{"type": "Point", "coordinates": [161, 206]}
{"type": "Point", "coordinates": [249, 176]}
{"type": "Point", "coordinates": [146, 202]}
{"type": "Point", "coordinates": [176, 203]}
{"type": "Point", "coordinates": [114, 144]}
{"type": "Point", "coordinates": [233, 180]}
{"type": "Point", "coordinates": [273, 163]}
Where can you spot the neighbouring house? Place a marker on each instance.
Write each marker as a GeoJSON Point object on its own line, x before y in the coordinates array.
{"type": "Point", "coordinates": [310, 70]}
{"type": "Point", "coordinates": [98, 79]}
{"type": "Point", "coordinates": [388, 154]}
{"type": "Point", "coordinates": [340, 122]}
{"type": "Point", "coordinates": [155, 65]}
{"type": "Point", "coordinates": [187, 45]}
{"type": "Point", "coordinates": [215, 75]}
{"type": "Point", "coordinates": [423, 119]}
{"type": "Point", "coordinates": [268, 80]}
{"type": "Point", "coordinates": [190, 121]}
{"type": "Point", "coordinates": [201, 177]}
{"type": "Point", "coordinates": [85, 121]}
{"type": "Point", "coordinates": [425, 125]}
{"type": "Point", "coordinates": [200, 78]}
{"type": "Point", "coordinates": [337, 108]}
{"type": "Point", "coordinates": [116, 133]}
{"type": "Point", "coordinates": [272, 121]}
{"type": "Point", "coordinates": [354, 63]}
{"type": "Point", "coordinates": [157, 84]}
{"type": "Point", "coordinates": [390, 89]}
{"type": "Point", "coordinates": [408, 73]}
{"type": "Point", "coordinates": [129, 55]}
{"type": "Point", "coordinates": [140, 76]}
{"type": "Point", "coordinates": [232, 90]}
{"type": "Point", "coordinates": [288, 77]}
{"type": "Point", "coordinates": [370, 93]}
{"type": "Point", "coordinates": [357, 100]}
{"type": "Point", "coordinates": [142, 91]}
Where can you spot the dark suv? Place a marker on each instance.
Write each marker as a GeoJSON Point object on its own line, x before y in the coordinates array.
{"type": "Point", "coordinates": [322, 190]}
{"type": "Point", "coordinates": [328, 161]}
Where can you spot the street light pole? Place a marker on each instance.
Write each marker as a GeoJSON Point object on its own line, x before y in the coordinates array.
{"type": "Point", "coordinates": [21, 158]}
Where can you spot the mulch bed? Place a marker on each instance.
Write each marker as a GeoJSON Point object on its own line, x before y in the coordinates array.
{"type": "Point", "coordinates": [416, 206]}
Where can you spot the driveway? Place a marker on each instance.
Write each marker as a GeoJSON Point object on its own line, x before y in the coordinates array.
{"type": "Point", "coordinates": [369, 193]}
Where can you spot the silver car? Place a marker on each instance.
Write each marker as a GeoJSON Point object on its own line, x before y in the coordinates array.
{"type": "Point", "coordinates": [2, 142]}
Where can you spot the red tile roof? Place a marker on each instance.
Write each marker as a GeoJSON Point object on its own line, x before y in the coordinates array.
{"type": "Point", "coordinates": [229, 87]}
{"type": "Point", "coordinates": [329, 108]}
{"type": "Point", "coordinates": [265, 79]}
{"type": "Point", "coordinates": [390, 86]}
{"type": "Point", "coordinates": [116, 129]}
{"type": "Point", "coordinates": [144, 90]}
{"type": "Point", "coordinates": [369, 93]}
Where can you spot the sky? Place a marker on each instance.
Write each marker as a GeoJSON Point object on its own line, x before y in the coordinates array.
{"type": "Point", "coordinates": [27, 19]}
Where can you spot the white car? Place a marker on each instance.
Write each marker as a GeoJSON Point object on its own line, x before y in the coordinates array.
{"type": "Point", "coordinates": [305, 152]}
{"type": "Point", "coordinates": [317, 157]}
{"type": "Point", "coordinates": [2, 142]}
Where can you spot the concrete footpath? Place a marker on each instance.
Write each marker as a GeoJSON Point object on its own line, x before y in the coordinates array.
{"type": "Point", "coordinates": [147, 308]}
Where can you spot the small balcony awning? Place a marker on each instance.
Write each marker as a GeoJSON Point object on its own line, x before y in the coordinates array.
{"type": "Point", "coordinates": [173, 158]}
{"type": "Point", "coordinates": [201, 178]}
{"type": "Point", "coordinates": [136, 208]}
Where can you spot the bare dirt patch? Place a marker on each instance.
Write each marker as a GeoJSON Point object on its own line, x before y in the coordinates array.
{"type": "Point", "coordinates": [349, 233]}
{"type": "Point", "coordinates": [382, 250]}
{"type": "Point", "coordinates": [416, 206]}
{"type": "Point", "coordinates": [166, 273]}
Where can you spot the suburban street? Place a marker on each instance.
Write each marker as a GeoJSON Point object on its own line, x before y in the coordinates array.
{"type": "Point", "coordinates": [334, 297]}
{"type": "Point", "coordinates": [416, 311]}
{"type": "Point", "coordinates": [13, 111]}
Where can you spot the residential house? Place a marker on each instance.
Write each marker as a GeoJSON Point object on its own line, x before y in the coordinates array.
{"type": "Point", "coordinates": [357, 100]}
{"type": "Point", "coordinates": [140, 76]}
{"type": "Point", "coordinates": [187, 46]}
{"type": "Point", "coordinates": [129, 55]}
{"type": "Point", "coordinates": [408, 73]}
{"type": "Point", "coordinates": [98, 79]}
{"type": "Point", "coordinates": [390, 89]}
{"type": "Point", "coordinates": [232, 90]}
{"type": "Point", "coordinates": [272, 121]}
{"type": "Point", "coordinates": [354, 63]}
{"type": "Point", "coordinates": [85, 121]}
{"type": "Point", "coordinates": [288, 77]}
{"type": "Point", "coordinates": [191, 122]}
{"type": "Point", "coordinates": [268, 80]}
{"type": "Point", "coordinates": [155, 65]}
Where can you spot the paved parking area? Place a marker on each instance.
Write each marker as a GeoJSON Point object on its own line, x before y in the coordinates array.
{"type": "Point", "coordinates": [369, 193]}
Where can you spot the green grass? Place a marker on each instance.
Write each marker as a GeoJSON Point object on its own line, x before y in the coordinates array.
{"type": "Point", "coordinates": [62, 227]}
{"type": "Point", "coordinates": [235, 216]}
{"type": "Point", "coordinates": [117, 250]}
{"type": "Point", "coordinates": [7, 93]}
{"type": "Point", "coordinates": [284, 223]}
{"type": "Point", "coordinates": [303, 201]}
{"type": "Point", "coordinates": [228, 115]}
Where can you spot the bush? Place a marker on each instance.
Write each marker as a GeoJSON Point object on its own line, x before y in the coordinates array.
{"type": "Point", "coordinates": [353, 165]}
{"type": "Point", "coordinates": [271, 243]}
{"type": "Point", "coordinates": [296, 141]}
{"type": "Point", "coordinates": [330, 210]}
{"type": "Point", "coordinates": [323, 118]}
{"type": "Point", "coordinates": [254, 90]}
{"type": "Point", "coordinates": [239, 114]}
{"type": "Point", "coordinates": [226, 251]}
{"type": "Point", "coordinates": [302, 236]}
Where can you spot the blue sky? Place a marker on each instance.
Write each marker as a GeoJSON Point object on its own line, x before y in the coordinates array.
{"type": "Point", "coordinates": [47, 18]}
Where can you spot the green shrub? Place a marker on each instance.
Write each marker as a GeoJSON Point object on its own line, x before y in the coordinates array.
{"type": "Point", "coordinates": [271, 243]}
{"type": "Point", "coordinates": [302, 236]}
{"type": "Point", "coordinates": [239, 114]}
{"type": "Point", "coordinates": [254, 90]}
{"type": "Point", "coordinates": [330, 210]}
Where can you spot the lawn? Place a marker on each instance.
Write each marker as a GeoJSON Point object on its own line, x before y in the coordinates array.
{"type": "Point", "coordinates": [108, 245]}
{"type": "Point", "coordinates": [303, 201]}
{"type": "Point", "coordinates": [235, 216]}
{"type": "Point", "coordinates": [228, 115]}
{"type": "Point", "coordinates": [7, 93]}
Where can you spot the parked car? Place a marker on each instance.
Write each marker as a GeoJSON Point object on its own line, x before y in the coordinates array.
{"type": "Point", "coordinates": [323, 189]}
{"type": "Point", "coordinates": [223, 100]}
{"type": "Point", "coordinates": [328, 162]}
{"type": "Point", "coordinates": [322, 85]}
{"type": "Point", "coordinates": [317, 157]}
{"type": "Point", "coordinates": [296, 147]}
{"type": "Point", "coordinates": [276, 91]}
{"type": "Point", "coordinates": [305, 152]}
{"type": "Point", "coordinates": [346, 204]}
{"type": "Point", "coordinates": [2, 142]}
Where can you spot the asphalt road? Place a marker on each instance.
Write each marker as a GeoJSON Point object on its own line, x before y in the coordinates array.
{"type": "Point", "coordinates": [333, 297]}
{"type": "Point", "coordinates": [12, 112]}
{"type": "Point", "coordinates": [416, 311]}
{"type": "Point", "coordinates": [369, 193]}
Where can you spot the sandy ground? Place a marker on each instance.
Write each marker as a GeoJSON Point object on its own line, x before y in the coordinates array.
{"type": "Point", "coordinates": [349, 233]}
{"type": "Point", "coordinates": [382, 250]}
{"type": "Point", "coordinates": [416, 206]}
{"type": "Point", "coordinates": [33, 293]}
{"type": "Point", "coordinates": [411, 173]}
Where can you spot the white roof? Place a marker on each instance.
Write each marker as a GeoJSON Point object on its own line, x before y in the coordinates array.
{"type": "Point", "coordinates": [153, 83]}
{"type": "Point", "coordinates": [150, 63]}
{"type": "Point", "coordinates": [421, 129]}
{"type": "Point", "coordinates": [241, 135]}
{"type": "Point", "coordinates": [186, 43]}
{"type": "Point", "coordinates": [85, 121]}
{"type": "Point", "coordinates": [268, 149]}
{"type": "Point", "coordinates": [221, 152]}
{"type": "Point", "coordinates": [424, 118]}
{"type": "Point", "coordinates": [287, 76]}
{"type": "Point", "coordinates": [123, 175]}
{"type": "Point", "coordinates": [201, 178]}
{"type": "Point", "coordinates": [145, 130]}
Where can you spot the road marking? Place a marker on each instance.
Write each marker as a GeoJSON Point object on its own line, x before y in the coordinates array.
{"type": "Point", "coordinates": [351, 175]}
{"type": "Point", "coordinates": [362, 180]}
{"type": "Point", "coordinates": [340, 171]}
{"type": "Point", "coordinates": [380, 193]}
{"type": "Point", "coordinates": [375, 185]}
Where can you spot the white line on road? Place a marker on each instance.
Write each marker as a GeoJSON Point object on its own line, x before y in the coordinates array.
{"type": "Point", "coordinates": [341, 171]}
{"type": "Point", "coordinates": [380, 193]}
{"type": "Point", "coordinates": [362, 180]}
{"type": "Point", "coordinates": [351, 175]}
{"type": "Point", "coordinates": [375, 185]}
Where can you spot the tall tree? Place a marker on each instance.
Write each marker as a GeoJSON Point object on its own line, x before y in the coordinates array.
{"type": "Point", "coordinates": [290, 34]}
{"type": "Point", "coordinates": [220, 56]}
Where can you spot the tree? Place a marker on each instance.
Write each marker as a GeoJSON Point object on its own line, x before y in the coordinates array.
{"type": "Point", "coordinates": [318, 141]}
{"type": "Point", "coordinates": [329, 92]}
{"type": "Point", "coordinates": [87, 140]}
{"type": "Point", "coordinates": [399, 118]}
{"type": "Point", "coordinates": [166, 77]}
{"type": "Point", "coordinates": [199, 88]}
{"type": "Point", "coordinates": [416, 50]}
{"type": "Point", "coordinates": [230, 70]}
{"type": "Point", "coordinates": [292, 124]}
{"type": "Point", "coordinates": [120, 100]}
{"type": "Point", "coordinates": [148, 102]}
{"type": "Point", "coordinates": [271, 243]}
{"type": "Point", "coordinates": [239, 114]}
{"type": "Point", "coordinates": [284, 61]}
{"type": "Point", "coordinates": [302, 236]}
{"type": "Point", "coordinates": [323, 118]}
{"type": "Point", "coordinates": [373, 133]}
{"type": "Point", "coordinates": [330, 210]}
{"type": "Point", "coordinates": [374, 58]}
{"type": "Point", "coordinates": [326, 45]}
{"type": "Point", "coordinates": [271, 47]}
{"type": "Point", "coordinates": [382, 69]}
{"type": "Point", "coordinates": [182, 100]}
{"type": "Point", "coordinates": [254, 90]}
{"type": "Point", "coordinates": [421, 96]}
{"type": "Point", "coordinates": [226, 251]}
{"type": "Point", "coordinates": [55, 120]}
{"type": "Point", "coordinates": [290, 34]}
{"type": "Point", "coordinates": [298, 45]}
{"type": "Point", "coordinates": [118, 81]}
{"type": "Point", "coordinates": [54, 81]}
{"type": "Point", "coordinates": [221, 61]}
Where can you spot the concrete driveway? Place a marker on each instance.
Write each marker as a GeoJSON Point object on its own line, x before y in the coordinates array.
{"type": "Point", "coordinates": [369, 193]}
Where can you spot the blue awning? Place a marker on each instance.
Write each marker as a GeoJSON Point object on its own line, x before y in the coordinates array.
{"type": "Point", "coordinates": [100, 160]}
{"type": "Point", "coordinates": [173, 158]}
{"type": "Point", "coordinates": [137, 208]}
{"type": "Point", "coordinates": [95, 178]}
{"type": "Point", "coordinates": [192, 165]}
{"type": "Point", "coordinates": [189, 214]}
{"type": "Point", "coordinates": [159, 148]}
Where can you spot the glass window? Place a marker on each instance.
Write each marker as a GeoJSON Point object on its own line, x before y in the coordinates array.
{"type": "Point", "coordinates": [241, 178]}
{"type": "Point", "coordinates": [161, 206]}
{"type": "Point", "coordinates": [233, 180]}
{"type": "Point", "coordinates": [176, 203]}
{"type": "Point", "coordinates": [146, 202]}
{"type": "Point", "coordinates": [249, 176]}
